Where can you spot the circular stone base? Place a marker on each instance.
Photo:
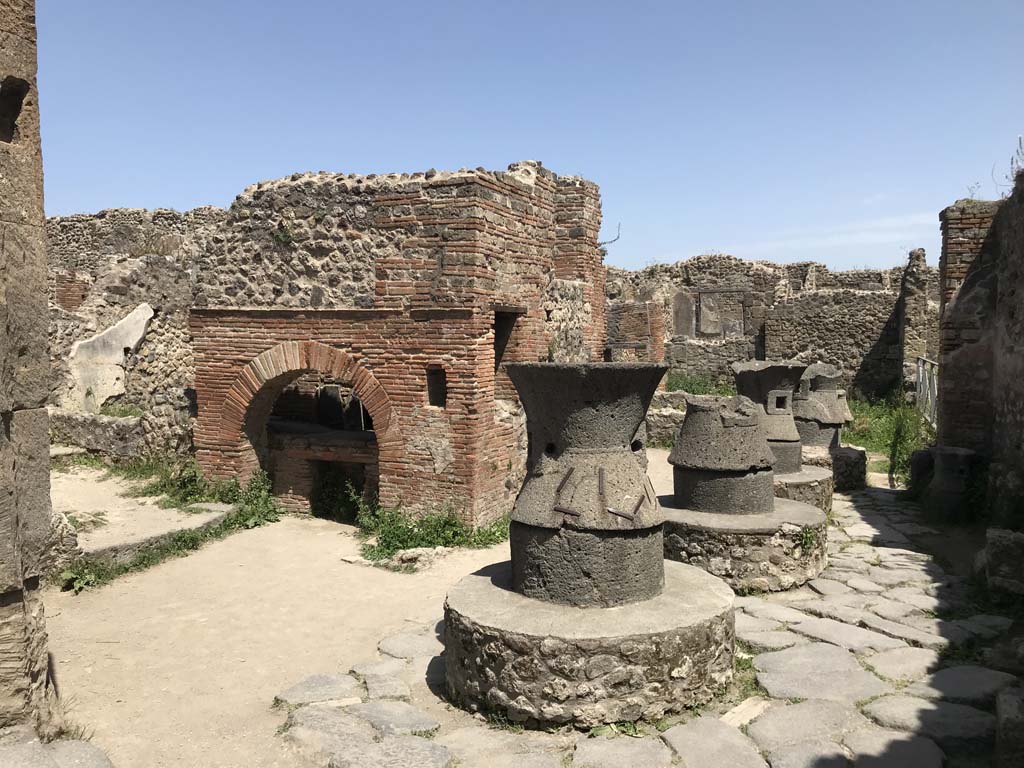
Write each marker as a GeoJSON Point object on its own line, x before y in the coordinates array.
{"type": "Point", "coordinates": [540, 663]}
{"type": "Point", "coordinates": [752, 553]}
{"type": "Point", "coordinates": [811, 485]}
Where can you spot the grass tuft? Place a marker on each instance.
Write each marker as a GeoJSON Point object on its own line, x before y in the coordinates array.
{"type": "Point", "coordinates": [697, 385]}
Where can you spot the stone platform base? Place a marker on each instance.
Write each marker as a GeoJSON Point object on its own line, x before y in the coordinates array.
{"type": "Point", "coordinates": [541, 663]}
{"type": "Point", "coordinates": [752, 553]}
{"type": "Point", "coordinates": [1004, 560]}
{"type": "Point", "coordinates": [849, 465]}
{"type": "Point", "coordinates": [811, 485]}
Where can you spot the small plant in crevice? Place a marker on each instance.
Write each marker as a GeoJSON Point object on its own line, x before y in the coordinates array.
{"type": "Point", "coordinates": [808, 538]}
{"type": "Point", "coordinates": [282, 235]}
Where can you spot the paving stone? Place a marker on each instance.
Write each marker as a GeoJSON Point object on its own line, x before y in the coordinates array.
{"type": "Point", "coordinates": [986, 626]}
{"type": "Point", "coordinates": [882, 748]}
{"type": "Point", "coordinates": [321, 730]}
{"type": "Point", "coordinates": [409, 645]}
{"type": "Point", "coordinates": [746, 710]}
{"type": "Point", "coordinates": [900, 631]}
{"type": "Point", "coordinates": [864, 585]}
{"type": "Point", "coordinates": [33, 755]}
{"type": "Point", "coordinates": [1010, 728]}
{"type": "Point", "coordinates": [386, 687]}
{"type": "Point", "coordinates": [904, 663]}
{"type": "Point", "coordinates": [619, 752]}
{"type": "Point", "coordinates": [388, 666]}
{"type": "Point", "coordinates": [828, 587]}
{"type": "Point", "coordinates": [828, 609]}
{"type": "Point", "coordinates": [816, 670]}
{"type": "Point", "coordinates": [819, 753]}
{"type": "Point", "coordinates": [317, 688]}
{"type": "Point", "coordinates": [393, 718]}
{"type": "Point", "coordinates": [745, 623]}
{"type": "Point", "coordinates": [765, 610]}
{"type": "Point", "coordinates": [965, 684]}
{"type": "Point", "coordinates": [79, 754]}
{"type": "Point", "coordinates": [477, 747]}
{"type": "Point", "coordinates": [394, 752]}
{"type": "Point", "coordinates": [846, 636]}
{"type": "Point", "coordinates": [771, 641]}
{"type": "Point", "coordinates": [890, 609]}
{"type": "Point", "coordinates": [915, 597]}
{"type": "Point", "coordinates": [708, 741]}
{"type": "Point", "coordinates": [954, 727]}
{"type": "Point", "coordinates": [891, 577]}
{"type": "Point", "coordinates": [852, 564]}
{"type": "Point", "coordinates": [787, 724]}
{"type": "Point", "coordinates": [950, 631]}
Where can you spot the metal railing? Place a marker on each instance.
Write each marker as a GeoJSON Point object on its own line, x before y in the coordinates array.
{"type": "Point", "coordinates": [927, 388]}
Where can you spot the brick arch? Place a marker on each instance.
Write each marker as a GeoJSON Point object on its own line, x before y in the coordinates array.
{"type": "Point", "coordinates": [260, 382]}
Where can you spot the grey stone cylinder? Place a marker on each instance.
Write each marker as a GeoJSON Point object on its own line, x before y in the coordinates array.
{"type": "Point", "coordinates": [587, 568]}
{"type": "Point", "coordinates": [788, 456]}
{"type": "Point", "coordinates": [735, 493]}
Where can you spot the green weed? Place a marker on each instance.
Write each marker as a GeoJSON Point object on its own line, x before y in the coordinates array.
{"type": "Point", "coordinates": [698, 385]}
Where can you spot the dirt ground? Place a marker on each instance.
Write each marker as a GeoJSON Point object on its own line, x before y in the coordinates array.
{"type": "Point", "coordinates": [178, 665]}
{"type": "Point", "coordinates": [108, 514]}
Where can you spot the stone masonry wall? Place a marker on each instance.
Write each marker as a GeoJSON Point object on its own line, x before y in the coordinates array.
{"type": "Point", "coordinates": [105, 265]}
{"type": "Point", "coordinates": [636, 331]}
{"type": "Point", "coordinates": [720, 309]}
{"type": "Point", "coordinates": [1006, 474]}
{"type": "Point", "coordinates": [26, 690]}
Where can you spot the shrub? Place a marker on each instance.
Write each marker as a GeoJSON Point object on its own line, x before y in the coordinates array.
{"type": "Point", "coordinates": [392, 529]}
{"type": "Point", "coordinates": [697, 385]}
{"type": "Point", "coordinates": [890, 427]}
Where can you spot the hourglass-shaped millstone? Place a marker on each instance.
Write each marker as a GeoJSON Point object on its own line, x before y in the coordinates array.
{"type": "Point", "coordinates": [721, 461]}
{"type": "Point", "coordinates": [819, 406]}
{"type": "Point", "coordinates": [586, 526]}
{"type": "Point", "coordinates": [772, 386]}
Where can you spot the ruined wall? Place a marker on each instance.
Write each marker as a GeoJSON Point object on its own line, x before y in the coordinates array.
{"type": "Point", "coordinates": [720, 309]}
{"type": "Point", "coordinates": [103, 267]}
{"type": "Point", "coordinates": [968, 297]}
{"type": "Point", "coordinates": [403, 273]}
{"type": "Point", "coordinates": [26, 691]}
{"type": "Point", "coordinates": [918, 318]}
{"type": "Point", "coordinates": [1006, 475]}
{"type": "Point", "coordinates": [856, 331]}
{"type": "Point", "coordinates": [636, 331]}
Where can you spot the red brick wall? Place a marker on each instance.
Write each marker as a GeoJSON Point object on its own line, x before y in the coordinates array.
{"type": "Point", "coordinates": [70, 290]}
{"type": "Point", "coordinates": [968, 290]}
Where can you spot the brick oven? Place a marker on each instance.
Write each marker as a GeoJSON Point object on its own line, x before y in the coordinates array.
{"type": "Point", "coordinates": [357, 326]}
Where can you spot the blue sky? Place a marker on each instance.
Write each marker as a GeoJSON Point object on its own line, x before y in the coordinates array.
{"type": "Point", "coordinates": [788, 130]}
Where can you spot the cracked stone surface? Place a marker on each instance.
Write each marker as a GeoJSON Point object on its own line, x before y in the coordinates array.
{"type": "Point", "coordinates": [409, 645]}
{"type": "Point", "coordinates": [956, 726]}
{"type": "Point", "coordinates": [903, 664]}
{"type": "Point", "coordinates": [317, 688]}
{"type": "Point", "coordinates": [882, 748]}
{"type": "Point", "coordinates": [57, 754]}
{"type": "Point", "coordinates": [616, 753]}
{"type": "Point", "coordinates": [786, 724]}
{"type": "Point", "coordinates": [708, 741]}
{"type": "Point", "coordinates": [816, 753]}
{"type": "Point", "coordinates": [966, 684]}
{"type": "Point", "coordinates": [390, 718]}
{"type": "Point", "coordinates": [394, 752]}
{"type": "Point", "coordinates": [799, 672]}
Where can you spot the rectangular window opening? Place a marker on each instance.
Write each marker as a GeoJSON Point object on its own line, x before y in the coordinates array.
{"type": "Point", "coordinates": [437, 387]}
{"type": "Point", "coordinates": [504, 323]}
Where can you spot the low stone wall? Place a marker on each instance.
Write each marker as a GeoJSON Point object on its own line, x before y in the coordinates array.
{"type": "Point", "coordinates": [114, 435]}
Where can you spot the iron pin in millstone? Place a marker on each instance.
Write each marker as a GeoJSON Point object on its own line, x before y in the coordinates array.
{"type": "Point", "coordinates": [600, 482]}
{"type": "Point", "coordinates": [566, 511]}
{"type": "Point", "coordinates": [565, 479]}
{"type": "Point", "coordinates": [617, 513]}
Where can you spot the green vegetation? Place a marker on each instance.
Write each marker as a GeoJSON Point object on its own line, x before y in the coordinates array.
{"type": "Point", "coordinates": [120, 410]}
{"type": "Point", "coordinates": [255, 507]}
{"type": "Point", "coordinates": [389, 530]}
{"type": "Point", "coordinates": [697, 385]}
{"type": "Point", "coordinates": [890, 427]}
{"type": "Point", "coordinates": [808, 537]}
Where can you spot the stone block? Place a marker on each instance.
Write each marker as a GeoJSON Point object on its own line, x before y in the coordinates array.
{"type": "Point", "coordinates": [1010, 728]}
{"type": "Point", "coordinates": [849, 468]}
{"type": "Point", "coordinates": [24, 346]}
{"type": "Point", "coordinates": [1004, 559]}
{"type": "Point", "coordinates": [30, 436]}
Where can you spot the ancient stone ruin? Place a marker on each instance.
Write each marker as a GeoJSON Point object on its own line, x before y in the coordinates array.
{"type": "Point", "coordinates": [724, 516]}
{"type": "Point", "coordinates": [773, 386]}
{"type": "Point", "coordinates": [27, 695]}
{"type": "Point", "coordinates": [587, 624]}
{"type": "Point", "coordinates": [819, 407]}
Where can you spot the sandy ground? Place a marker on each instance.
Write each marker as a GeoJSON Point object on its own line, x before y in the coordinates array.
{"type": "Point", "coordinates": [94, 498]}
{"type": "Point", "coordinates": [178, 665]}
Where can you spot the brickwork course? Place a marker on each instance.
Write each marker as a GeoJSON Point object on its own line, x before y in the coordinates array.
{"type": "Point", "coordinates": [981, 367]}
{"type": "Point", "coordinates": [26, 691]}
